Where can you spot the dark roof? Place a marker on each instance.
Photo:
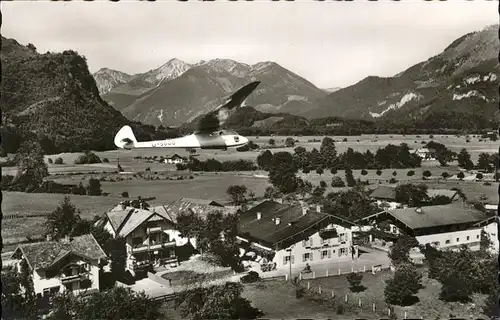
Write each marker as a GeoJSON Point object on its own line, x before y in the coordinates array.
{"type": "Point", "coordinates": [433, 216]}
{"type": "Point", "coordinates": [202, 201]}
{"type": "Point", "coordinates": [45, 254]}
{"type": "Point", "coordinates": [292, 222]}
{"type": "Point", "coordinates": [384, 192]}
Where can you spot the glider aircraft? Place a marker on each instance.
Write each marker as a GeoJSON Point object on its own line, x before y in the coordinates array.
{"type": "Point", "coordinates": [201, 139]}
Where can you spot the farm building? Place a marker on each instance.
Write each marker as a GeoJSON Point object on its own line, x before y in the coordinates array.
{"type": "Point", "coordinates": [175, 159]}
{"type": "Point", "coordinates": [282, 234]}
{"type": "Point", "coordinates": [425, 154]}
{"type": "Point", "coordinates": [65, 265]}
{"type": "Point", "coordinates": [444, 226]}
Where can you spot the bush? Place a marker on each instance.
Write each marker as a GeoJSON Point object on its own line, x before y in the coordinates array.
{"type": "Point", "coordinates": [124, 194]}
{"type": "Point", "coordinates": [364, 172]}
{"type": "Point", "coordinates": [379, 172]}
{"type": "Point", "coordinates": [410, 173]}
{"type": "Point", "coordinates": [393, 180]}
{"type": "Point", "coordinates": [322, 184]}
{"type": "Point", "coordinates": [306, 170]}
{"type": "Point", "coordinates": [58, 161]}
{"type": "Point", "coordinates": [427, 173]}
{"type": "Point", "coordinates": [337, 182]}
{"type": "Point", "coordinates": [88, 158]}
{"type": "Point", "coordinates": [251, 277]}
{"type": "Point", "coordinates": [445, 175]}
{"type": "Point", "coordinates": [105, 160]}
{"type": "Point", "coordinates": [50, 160]}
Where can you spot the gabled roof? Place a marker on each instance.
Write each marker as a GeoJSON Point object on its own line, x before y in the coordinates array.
{"type": "Point", "coordinates": [202, 201]}
{"type": "Point", "coordinates": [292, 222]}
{"type": "Point", "coordinates": [42, 255]}
{"type": "Point", "coordinates": [126, 221]}
{"type": "Point", "coordinates": [384, 192]}
{"type": "Point", "coordinates": [433, 216]}
{"type": "Point", "coordinates": [442, 192]}
{"type": "Point", "coordinates": [173, 209]}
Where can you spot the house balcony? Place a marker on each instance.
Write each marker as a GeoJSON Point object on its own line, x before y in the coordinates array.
{"type": "Point", "coordinates": [152, 247]}
{"type": "Point", "coordinates": [74, 278]}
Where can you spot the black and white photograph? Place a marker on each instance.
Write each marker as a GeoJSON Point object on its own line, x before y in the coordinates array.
{"type": "Point", "coordinates": [217, 160]}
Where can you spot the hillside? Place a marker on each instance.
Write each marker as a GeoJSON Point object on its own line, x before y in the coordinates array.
{"type": "Point", "coordinates": [191, 93]}
{"type": "Point", "coordinates": [457, 88]}
{"type": "Point", "coordinates": [52, 98]}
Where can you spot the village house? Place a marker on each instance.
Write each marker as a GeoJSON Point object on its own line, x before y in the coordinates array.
{"type": "Point", "coordinates": [278, 235]}
{"type": "Point", "coordinates": [425, 154]}
{"type": "Point", "coordinates": [71, 264]}
{"type": "Point", "coordinates": [175, 159]}
{"type": "Point", "coordinates": [150, 237]}
{"type": "Point", "coordinates": [444, 226]}
{"type": "Point", "coordinates": [385, 196]}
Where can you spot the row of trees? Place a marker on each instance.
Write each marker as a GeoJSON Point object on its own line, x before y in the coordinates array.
{"type": "Point", "coordinates": [212, 165]}
{"type": "Point", "coordinates": [486, 162]}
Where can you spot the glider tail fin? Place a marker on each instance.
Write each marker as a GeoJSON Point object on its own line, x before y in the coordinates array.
{"type": "Point", "coordinates": [125, 138]}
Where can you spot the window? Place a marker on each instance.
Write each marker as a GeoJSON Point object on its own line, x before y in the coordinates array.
{"type": "Point", "coordinates": [342, 237]}
{"type": "Point", "coordinates": [324, 254]}
{"type": "Point", "coordinates": [468, 238]}
{"type": "Point", "coordinates": [286, 259]}
{"type": "Point", "coordinates": [494, 234]}
{"type": "Point", "coordinates": [477, 237]}
{"type": "Point", "coordinates": [458, 239]}
{"type": "Point", "coordinates": [307, 257]}
{"type": "Point", "coordinates": [342, 252]}
{"type": "Point", "coordinates": [447, 242]}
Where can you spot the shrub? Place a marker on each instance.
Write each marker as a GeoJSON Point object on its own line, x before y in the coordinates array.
{"type": "Point", "coordinates": [393, 180]}
{"type": "Point", "coordinates": [105, 160]}
{"type": "Point", "coordinates": [88, 158]}
{"type": "Point", "coordinates": [410, 173]}
{"type": "Point", "coordinates": [50, 160]}
{"type": "Point", "coordinates": [322, 184]}
{"type": "Point", "coordinates": [337, 182]}
{"type": "Point", "coordinates": [124, 194]}
{"type": "Point", "coordinates": [427, 173]}
{"type": "Point", "coordinates": [251, 277]}
{"type": "Point", "coordinates": [364, 172]}
{"type": "Point", "coordinates": [58, 161]}
{"type": "Point", "coordinates": [379, 172]}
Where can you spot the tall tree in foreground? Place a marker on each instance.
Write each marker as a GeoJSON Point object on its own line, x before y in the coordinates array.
{"type": "Point", "coordinates": [282, 173]}
{"type": "Point", "coordinates": [62, 221]}
{"type": "Point", "coordinates": [349, 178]}
{"type": "Point", "coordinates": [464, 160]}
{"type": "Point", "coordinates": [400, 251]}
{"type": "Point", "coordinates": [328, 152]}
{"type": "Point", "coordinates": [216, 302]}
{"type": "Point", "coordinates": [406, 282]}
{"type": "Point", "coordinates": [237, 193]}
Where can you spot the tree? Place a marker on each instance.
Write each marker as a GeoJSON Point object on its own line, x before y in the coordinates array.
{"type": "Point", "coordinates": [124, 194]}
{"type": "Point", "coordinates": [457, 275]}
{"type": "Point", "coordinates": [264, 160]}
{"type": "Point", "coordinates": [114, 304]}
{"type": "Point", "coordinates": [29, 306]}
{"type": "Point", "coordinates": [411, 173]}
{"type": "Point", "coordinates": [272, 193]}
{"type": "Point", "coordinates": [94, 187]}
{"type": "Point", "coordinates": [289, 142]}
{"type": "Point", "coordinates": [320, 171]}
{"type": "Point", "coordinates": [333, 171]}
{"type": "Point", "coordinates": [479, 176]}
{"type": "Point", "coordinates": [460, 175]}
{"type": "Point", "coordinates": [328, 152]}
{"type": "Point", "coordinates": [364, 172]}
{"type": "Point", "coordinates": [62, 221]}
{"type": "Point", "coordinates": [272, 142]}
{"type": "Point", "coordinates": [337, 182]}
{"type": "Point", "coordinates": [394, 173]}
{"type": "Point", "coordinates": [58, 160]}
{"type": "Point", "coordinates": [427, 174]}
{"type": "Point", "coordinates": [282, 173]}
{"type": "Point", "coordinates": [189, 224]}
{"type": "Point", "coordinates": [400, 251]}
{"type": "Point", "coordinates": [322, 184]}
{"type": "Point", "coordinates": [237, 193]}
{"type": "Point", "coordinates": [379, 172]}
{"type": "Point", "coordinates": [484, 162]}
{"type": "Point", "coordinates": [445, 175]}
{"type": "Point", "coordinates": [413, 195]}
{"type": "Point", "coordinates": [485, 241]}
{"type": "Point", "coordinates": [354, 279]}
{"type": "Point", "coordinates": [116, 249]}
{"type": "Point", "coordinates": [406, 282]}
{"type": "Point", "coordinates": [464, 160]}
{"type": "Point", "coordinates": [301, 157]}
{"type": "Point", "coordinates": [349, 177]}
{"type": "Point", "coordinates": [31, 169]}
{"type": "Point", "coordinates": [216, 302]}
{"type": "Point", "coordinates": [12, 298]}
{"type": "Point", "coordinates": [438, 200]}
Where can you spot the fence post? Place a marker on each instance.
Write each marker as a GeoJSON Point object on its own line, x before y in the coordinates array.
{"type": "Point", "coordinates": [308, 285]}
{"type": "Point", "coordinates": [352, 269]}
{"type": "Point", "coordinates": [314, 274]}
{"type": "Point", "coordinates": [389, 311]}
{"type": "Point", "coordinates": [346, 298]}
{"type": "Point", "coordinates": [300, 276]}
{"type": "Point", "coordinates": [327, 272]}
{"type": "Point", "coordinates": [339, 271]}
{"type": "Point", "coordinates": [373, 307]}
{"type": "Point", "coordinates": [359, 302]}
{"type": "Point", "coordinates": [333, 294]}
{"type": "Point", "coordinates": [406, 315]}
{"type": "Point", "coordinates": [319, 289]}
{"type": "Point", "coordinates": [286, 276]}
{"type": "Point", "coordinates": [364, 268]}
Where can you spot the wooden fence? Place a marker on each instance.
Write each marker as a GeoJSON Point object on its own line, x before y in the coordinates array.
{"type": "Point", "coordinates": [331, 272]}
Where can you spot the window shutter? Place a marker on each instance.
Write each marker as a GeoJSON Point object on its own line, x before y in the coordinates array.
{"type": "Point", "coordinates": [329, 254]}
{"type": "Point", "coordinates": [311, 256]}
{"type": "Point", "coordinates": [340, 250]}
{"type": "Point", "coordinates": [284, 260]}
{"type": "Point", "coordinates": [292, 259]}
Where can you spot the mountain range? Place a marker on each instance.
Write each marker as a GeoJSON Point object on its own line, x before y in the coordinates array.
{"type": "Point", "coordinates": [178, 92]}
{"type": "Point", "coordinates": [462, 80]}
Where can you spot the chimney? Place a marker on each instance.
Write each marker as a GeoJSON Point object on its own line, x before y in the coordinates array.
{"type": "Point", "coordinates": [259, 215]}
{"type": "Point", "coordinates": [277, 221]}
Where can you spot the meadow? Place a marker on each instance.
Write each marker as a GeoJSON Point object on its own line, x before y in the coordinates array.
{"type": "Point", "coordinates": [278, 301]}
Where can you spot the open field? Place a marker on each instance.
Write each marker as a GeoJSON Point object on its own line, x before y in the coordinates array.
{"type": "Point", "coordinates": [277, 300]}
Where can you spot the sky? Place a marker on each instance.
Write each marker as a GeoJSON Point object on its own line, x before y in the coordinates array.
{"type": "Point", "coordinates": [330, 43]}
